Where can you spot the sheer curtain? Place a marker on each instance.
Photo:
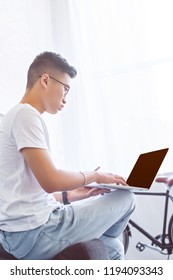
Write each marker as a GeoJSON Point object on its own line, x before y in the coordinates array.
{"type": "Point", "coordinates": [25, 31]}
{"type": "Point", "coordinates": [120, 103]}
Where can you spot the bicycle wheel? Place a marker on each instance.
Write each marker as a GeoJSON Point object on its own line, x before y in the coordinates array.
{"type": "Point", "coordinates": [125, 238]}
{"type": "Point", "coordinates": [170, 232]}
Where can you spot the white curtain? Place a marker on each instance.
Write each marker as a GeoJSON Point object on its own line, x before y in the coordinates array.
{"type": "Point", "coordinates": [120, 104]}
{"type": "Point", "coordinates": [25, 31]}
{"type": "Point", "coordinates": [121, 101]}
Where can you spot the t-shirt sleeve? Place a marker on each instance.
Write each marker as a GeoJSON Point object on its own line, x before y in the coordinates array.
{"type": "Point", "coordinates": [28, 130]}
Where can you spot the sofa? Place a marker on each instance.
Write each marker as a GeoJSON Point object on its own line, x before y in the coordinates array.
{"type": "Point", "coordinates": [89, 250]}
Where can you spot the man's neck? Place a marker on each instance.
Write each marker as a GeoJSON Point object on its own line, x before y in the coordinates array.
{"type": "Point", "coordinates": [31, 97]}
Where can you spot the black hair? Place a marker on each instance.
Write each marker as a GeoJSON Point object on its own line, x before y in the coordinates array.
{"type": "Point", "coordinates": [48, 62]}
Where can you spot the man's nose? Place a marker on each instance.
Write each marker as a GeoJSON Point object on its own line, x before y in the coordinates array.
{"type": "Point", "coordinates": [64, 101]}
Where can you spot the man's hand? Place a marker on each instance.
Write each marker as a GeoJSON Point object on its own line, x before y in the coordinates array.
{"type": "Point", "coordinates": [109, 178]}
{"type": "Point", "coordinates": [85, 192]}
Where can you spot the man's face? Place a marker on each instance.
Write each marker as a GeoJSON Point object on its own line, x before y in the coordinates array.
{"type": "Point", "coordinates": [57, 89]}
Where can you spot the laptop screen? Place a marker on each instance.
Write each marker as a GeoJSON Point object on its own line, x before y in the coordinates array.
{"type": "Point", "coordinates": [146, 168]}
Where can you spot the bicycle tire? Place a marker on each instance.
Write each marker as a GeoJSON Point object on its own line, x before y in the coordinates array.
{"type": "Point", "coordinates": [126, 238]}
{"type": "Point", "coordinates": [170, 232]}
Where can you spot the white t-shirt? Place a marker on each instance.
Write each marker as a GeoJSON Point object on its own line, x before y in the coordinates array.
{"type": "Point", "coordinates": [24, 204]}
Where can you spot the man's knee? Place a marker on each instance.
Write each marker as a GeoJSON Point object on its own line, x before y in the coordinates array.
{"type": "Point", "coordinates": [131, 198]}
{"type": "Point", "coordinates": [127, 197]}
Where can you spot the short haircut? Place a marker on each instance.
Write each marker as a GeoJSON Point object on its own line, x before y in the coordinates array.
{"type": "Point", "coordinates": [48, 62]}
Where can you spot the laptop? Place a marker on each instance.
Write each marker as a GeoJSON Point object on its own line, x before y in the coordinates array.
{"type": "Point", "coordinates": [143, 172]}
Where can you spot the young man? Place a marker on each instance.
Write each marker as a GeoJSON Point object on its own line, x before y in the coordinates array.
{"type": "Point", "coordinates": [38, 217]}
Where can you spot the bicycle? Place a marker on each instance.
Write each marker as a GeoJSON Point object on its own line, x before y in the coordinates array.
{"type": "Point", "coordinates": [163, 242]}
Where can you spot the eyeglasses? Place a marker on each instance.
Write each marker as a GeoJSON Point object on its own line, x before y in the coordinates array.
{"type": "Point", "coordinates": [67, 87]}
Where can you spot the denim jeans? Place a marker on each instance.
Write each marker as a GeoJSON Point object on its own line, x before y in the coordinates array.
{"type": "Point", "coordinates": [104, 217]}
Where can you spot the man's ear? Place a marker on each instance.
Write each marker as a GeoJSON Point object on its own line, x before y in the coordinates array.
{"type": "Point", "coordinates": [44, 80]}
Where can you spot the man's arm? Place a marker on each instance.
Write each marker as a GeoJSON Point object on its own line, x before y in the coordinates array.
{"type": "Point", "coordinates": [52, 179]}
{"type": "Point", "coordinates": [49, 177]}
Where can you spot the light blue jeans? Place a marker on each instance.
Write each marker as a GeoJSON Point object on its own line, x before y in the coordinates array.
{"type": "Point", "coordinates": [103, 217]}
